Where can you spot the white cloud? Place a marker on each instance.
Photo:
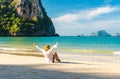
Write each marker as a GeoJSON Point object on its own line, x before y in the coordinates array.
{"type": "Point", "coordinates": [109, 22]}
{"type": "Point", "coordinates": [85, 15]}
{"type": "Point", "coordinates": [84, 22]}
{"type": "Point", "coordinates": [67, 18]}
{"type": "Point", "coordinates": [86, 28]}
{"type": "Point", "coordinates": [101, 10]}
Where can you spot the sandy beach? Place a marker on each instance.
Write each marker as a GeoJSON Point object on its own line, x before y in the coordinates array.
{"type": "Point", "coordinates": [31, 67]}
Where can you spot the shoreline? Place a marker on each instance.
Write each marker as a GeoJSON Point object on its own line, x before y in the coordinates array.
{"type": "Point", "coordinates": [113, 58]}
{"type": "Point", "coordinates": [31, 67]}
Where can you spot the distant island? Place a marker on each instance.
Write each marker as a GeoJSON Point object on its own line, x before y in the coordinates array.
{"type": "Point", "coordinates": [24, 18]}
{"type": "Point", "coordinates": [101, 33]}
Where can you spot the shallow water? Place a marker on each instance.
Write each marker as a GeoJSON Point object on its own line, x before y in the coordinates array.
{"type": "Point", "coordinates": [66, 44]}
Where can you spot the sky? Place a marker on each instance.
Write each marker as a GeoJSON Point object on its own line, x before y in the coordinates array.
{"type": "Point", "coordinates": [76, 17]}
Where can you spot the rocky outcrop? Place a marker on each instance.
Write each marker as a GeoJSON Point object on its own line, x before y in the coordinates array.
{"type": "Point", "coordinates": [31, 9]}
{"type": "Point", "coordinates": [101, 33]}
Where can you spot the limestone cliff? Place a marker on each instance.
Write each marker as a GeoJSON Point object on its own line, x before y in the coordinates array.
{"type": "Point", "coordinates": [34, 8]}
{"type": "Point", "coordinates": [30, 8]}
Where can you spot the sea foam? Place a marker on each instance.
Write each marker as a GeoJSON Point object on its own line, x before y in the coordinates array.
{"type": "Point", "coordinates": [117, 53]}
{"type": "Point", "coordinates": [11, 49]}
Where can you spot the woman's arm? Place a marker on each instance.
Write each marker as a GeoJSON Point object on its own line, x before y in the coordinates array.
{"type": "Point", "coordinates": [41, 50]}
{"type": "Point", "coordinates": [53, 47]}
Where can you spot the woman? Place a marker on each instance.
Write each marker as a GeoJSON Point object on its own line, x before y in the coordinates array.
{"type": "Point", "coordinates": [49, 53]}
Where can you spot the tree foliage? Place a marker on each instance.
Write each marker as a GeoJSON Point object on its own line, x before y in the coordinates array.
{"type": "Point", "coordinates": [11, 24]}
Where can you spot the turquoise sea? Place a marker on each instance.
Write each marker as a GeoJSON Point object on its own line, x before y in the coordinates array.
{"type": "Point", "coordinates": [68, 44]}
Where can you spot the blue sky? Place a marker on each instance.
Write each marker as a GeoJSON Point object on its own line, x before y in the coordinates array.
{"type": "Point", "coordinates": [75, 17]}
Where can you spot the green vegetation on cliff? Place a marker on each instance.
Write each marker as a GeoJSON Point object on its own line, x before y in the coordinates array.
{"type": "Point", "coordinates": [12, 24]}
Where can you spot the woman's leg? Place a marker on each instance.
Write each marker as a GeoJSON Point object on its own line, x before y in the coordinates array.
{"type": "Point", "coordinates": [56, 58]}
